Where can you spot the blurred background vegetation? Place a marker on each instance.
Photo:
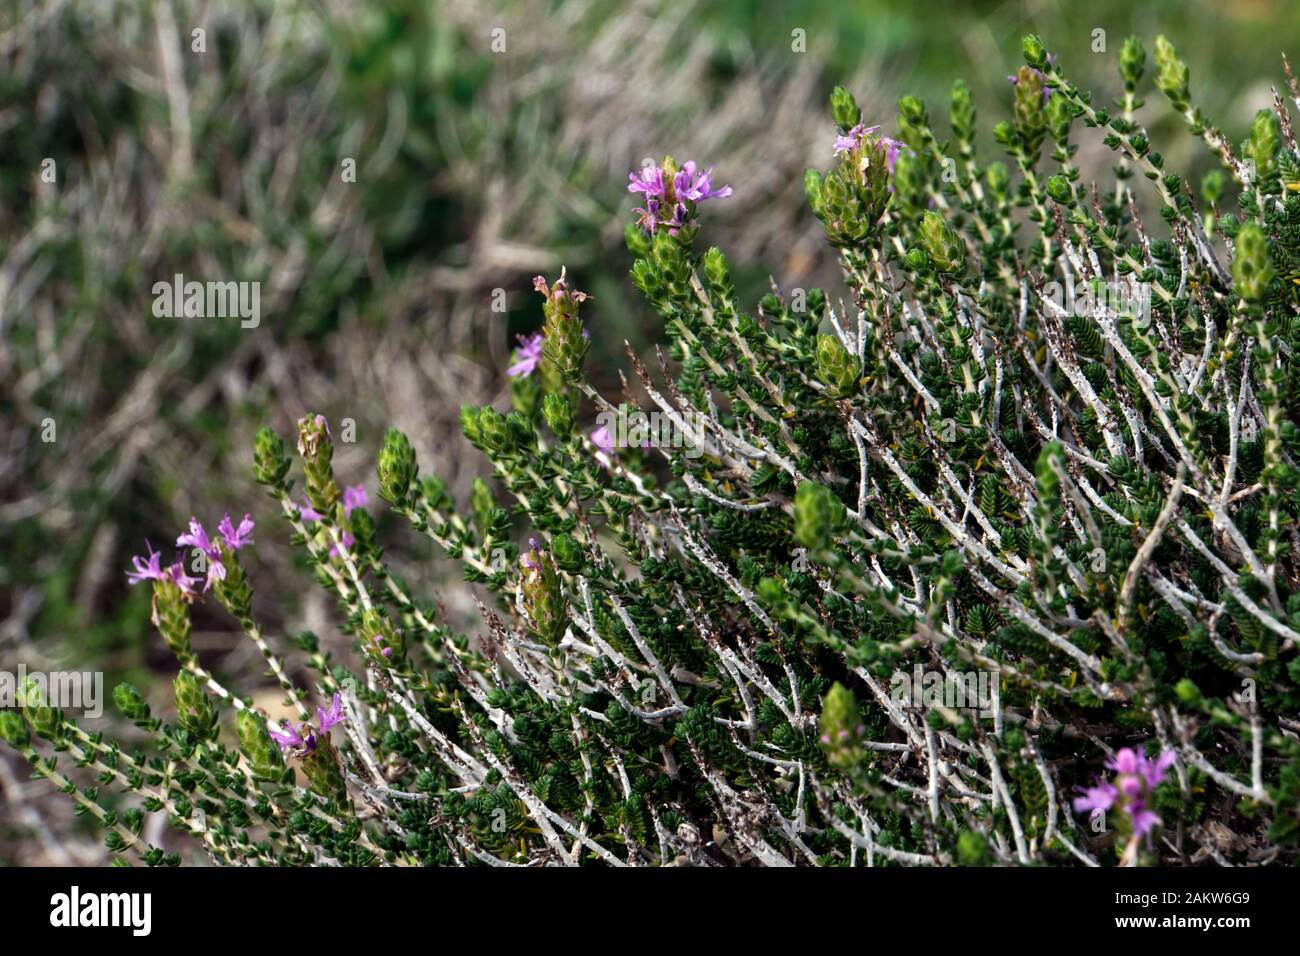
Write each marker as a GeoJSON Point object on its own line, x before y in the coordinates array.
{"type": "Point", "coordinates": [475, 170]}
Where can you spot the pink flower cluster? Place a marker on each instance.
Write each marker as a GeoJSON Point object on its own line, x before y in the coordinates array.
{"type": "Point", "coordinates": [149, 567]}
{"type": "Point", "coordinates": [688, 185]}
{"type": "Point", "coordinates": [860, 136]}
{"type": "Point", "coordinates": [1136, 779]}
{"type": "Point", "coordinates": [354, 497]}
{"type": "Point", "coordinates": [528, 356]}
{"type": "Point", "coordinates": [301, 738]}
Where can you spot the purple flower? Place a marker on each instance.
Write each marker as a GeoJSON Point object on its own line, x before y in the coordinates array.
{"type": "Point", "coordinates": [1136, 778]}
{"type": "Point", "coordinates": [354, 497]}
{"type": "Point", "coordinates": [892, 148]}
{"type": "Point", "coordinates": [528, 355]}
{"type": "Point", "coordinates": [648, 218]}
{"type": "Point", "coordinates": [650, 182]}
{"type": "Point", "coordinates": [1154, 771]}
{"type": "Point", "coordinates": [531, 559]}
{"type": "Point", "coordinates": [300, 738]}
{"type": "Point", "coordinates": [236, 538]}
{"type": "Point", "coordinates": [687, 184]}
{"type": "Point", "coordinates": [851, 140]}
{"type": "Point", "coordinates": [287, 736]}
{"type": "Point", "coordinates": [198, 538]}
{"type": "Point", "coordinates": [856, 138]}
{"type": "Point", "coordinates": [1144, 820]}
{"type": "Point", "coordinates": [147, 568]}
{"type": "Point", "coordinates": [348, 541]}
{"type": "Point", "coordinates": [335, 715]}
{"type": "Point", "coordinates": [1047, 90]}
{"type": "Point", "coordinates": [1100, 797]}
{"type": "Point", "coordinates": [678, 220]}
{"type": "Point", "coordinates": [602, 439]}
{"type": "Point", "coordinates": [175, 573]}
{"type": "Point", "coordinates": [559, 293]}
{"type": "Point", "coordinates": [1137, 773]}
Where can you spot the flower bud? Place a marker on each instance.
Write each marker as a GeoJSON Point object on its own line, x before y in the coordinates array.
{"type": "Point", "coordinates": [771, 590]}
{"type": "Point", "coordinates": [1132, 61]}
{"type": "Point", "coordinates": [44, 720]}
{"type": "Point", "coordinates": [962, 111]}
{"type": "Point", "coordinates": [972, 849]}
{"type": "Point", "coordinates": [194, 709]}
{"type": "Point", "coordinates": [270, 463]}
{"type": "Point", "coordinates": [717, 274]}
{"type": "Point", "coordinates": [844, 109]}
{"type": "Point", "coordinates": [522, 436]}
{"type": "Point", "coordinates": [494, 430]}
{"type": "Point", "coordinates": [316, 446]}
{"type": "Point", "coordinates": [912, 181]}
{"type": "Point", "coordinates": [13, 731]}
{"type": "Point", "coordinates": [841, 728]}
{"type": "Point", "coordinates": [321, 768]}
{"type": "Point", "coordinates": [812, 189]}
{"type": "Point", "coordinates": [233, 591]}
{"type": "Point", "coordinates": [1058, 187]}
{"type": "Point", "coordinates": [483, 503]}
{"type": "Point", "coordinates": [171, 615]}
{"type": "Point", "coordinates": [1035, 53]}
{"type": "Point", "coordinates": [817, 513]}
{"type": "Point", "coordinates": [1252, 265]}
{"type": "Point", "coordinates": [262, 753]}
{"type": "Point", "coordinates": [911, 110]}
{"type": "Point", "coordinates": [544, 599]}
{"type": "Point", "coordinates": [469, 424]}
{"type": "Point", "coordinates": [1171, 73]}
{"type": "Point", "coordinates": [836, 366]}
{"type": "Point", "coordinates": [942, 244]}
{"type": "Point", "coordinates": [998, 178]}
{"type": "Point", "coordinates": [1029, 118]}
{"type": "Point", "coordinates": [363, 531]}
{"type": "Point", "coordinates": [564, 346]}
{"type": "Point", "coordinates": [1060, 116]}
{"type": "Point", "coordinates": [1213, 184]}
{"type": "Point", "coordinates": [397, 467]}
{"type": "Point", "coordinates": [854, 194]}
{"type": "Point", "coordinates": [380, 638]}
{"type": "Point", "coordinates": [558, 412]}
{"type": "Point", "coordinates": [1263, 144]}
{"type": "Point", "coordinates": [569, 555]}
{"type": "Point", "coordinates": [131, 703]}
